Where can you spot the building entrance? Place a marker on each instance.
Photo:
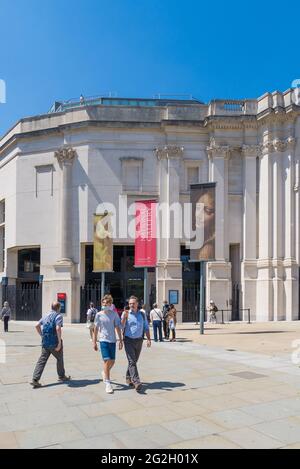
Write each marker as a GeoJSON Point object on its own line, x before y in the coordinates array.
{"type": "Point", "coordinates": [124, 281]}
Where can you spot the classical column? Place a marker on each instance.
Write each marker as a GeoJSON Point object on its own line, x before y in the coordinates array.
{"type": "Point", "coordinates": [219, 272]}
{"type": "Point", "coordinates": [63, 276]}
{"type": "Point", "coordinates": [279, 147]}
{"type": "Point", "coordinates": [291, 267]}
{"type": "Point", "coordinates": [264, 310]}
{"type": "Point", "coordinates": [65, 157]}
{"type": "Point", "coordinates": [249, 264]}
{"type": "Point", "coordinates": [169, 270]}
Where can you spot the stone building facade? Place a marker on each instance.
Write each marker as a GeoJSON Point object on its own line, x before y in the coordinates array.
{"type": "Point", "coordinates": [57, 169]}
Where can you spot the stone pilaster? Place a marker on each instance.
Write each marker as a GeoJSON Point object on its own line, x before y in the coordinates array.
{"type": "Point", "coordinates": [264, 310]}
{"type": "Point", "coordinates": [249, 264]}
{"type": "Point", "coordinates": [219, 272]}
{"type": "Point", "coordinates": [66, 157]}
{"type": "Point", "coordinates": [278, 227]}
{"type": "Point", "coordinates": [64, 276]}
{"type": "Point", "coordinates": [169, 267]}
{"type": "Point", "coordinates": [291, 283]}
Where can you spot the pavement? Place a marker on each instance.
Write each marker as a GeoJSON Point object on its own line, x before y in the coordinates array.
{"type": "Point", "coordinates": [235, 387]}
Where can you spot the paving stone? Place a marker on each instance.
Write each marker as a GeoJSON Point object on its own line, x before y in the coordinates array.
{"type": "Point", "coordinates": [150, 436]}
{"type": "Point", "coordinates": [192, 428]}
{"type": "Point", "coordinates": [251, 439]}
{"type": "Point", "coordinates": [285, 430]}
{"type": "Point", "coordinates": [96, 426]}
{"type": "Point", "coordinates": [49, 435]}
{"type": "Point", "coordinates": [233, 419]}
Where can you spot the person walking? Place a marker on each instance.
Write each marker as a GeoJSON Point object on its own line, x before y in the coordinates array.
{"type": "Point", "coordinates": [49, 328]}
{"type": "Point", "coordinates": [172, 321]}
{"type": "Point", "coordinates": [107, 322]}
{"type": "Point", "coordinates": [6, 315]}
{"type": "Point", "coordinates": [212, 312]}
{"type": "Point", "coordinates": [90, 315]}
{"type": "Point", "coordinates": [156, 317]}
{"type": "Point", "coordinates": [165, 311]}
{"type": "Point", "coordinates": [135, 325]}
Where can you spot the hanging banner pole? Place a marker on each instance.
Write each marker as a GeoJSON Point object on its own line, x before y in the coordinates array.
{"type": "Point", "coordinates": [102, 284]}
{"type": "Point", "coordinates": [202, 297]}
{"type": "Point", "coordinates": [146, 286]}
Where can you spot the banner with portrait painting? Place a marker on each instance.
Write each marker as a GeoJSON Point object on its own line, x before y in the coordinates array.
{"type": "Point", "coordinates": [103, 243]}
{"type": "Point", "coordinates": [203, 198]}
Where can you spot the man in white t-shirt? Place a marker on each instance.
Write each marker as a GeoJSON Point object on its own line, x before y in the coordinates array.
{"type": "Point", "coordinates": [156, 317]}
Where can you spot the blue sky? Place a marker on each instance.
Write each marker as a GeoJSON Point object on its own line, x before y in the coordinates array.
{"type": "Point", "coordinates": [52, 50]}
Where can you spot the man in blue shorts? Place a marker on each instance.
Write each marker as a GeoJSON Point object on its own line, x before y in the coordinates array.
{"type": "Point", "coordinates": [107, 322]}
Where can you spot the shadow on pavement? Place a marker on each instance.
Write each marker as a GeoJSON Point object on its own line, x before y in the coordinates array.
{"type": "Point", "coordinates": [74, 383]}
{"type": "Point", "coordinates": [163, 385]}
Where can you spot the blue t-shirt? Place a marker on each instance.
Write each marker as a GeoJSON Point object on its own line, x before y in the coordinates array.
{"type": "Point", "coordinates": [136, 325]}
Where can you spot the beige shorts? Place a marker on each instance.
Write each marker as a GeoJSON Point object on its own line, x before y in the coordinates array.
{"type": "Point", "coordinates": [90, 325]}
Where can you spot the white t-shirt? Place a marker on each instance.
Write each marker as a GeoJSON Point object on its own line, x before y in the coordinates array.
{"type": "Point", "coordinates": [156, 315]}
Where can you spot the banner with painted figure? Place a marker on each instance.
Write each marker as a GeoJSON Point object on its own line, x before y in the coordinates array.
{"type": "Point", "coordinates": [103, 243]}
{"type": "Point", "coordinates": [145, 233]}
{"type": "Point", "coordinates": [203, 197]}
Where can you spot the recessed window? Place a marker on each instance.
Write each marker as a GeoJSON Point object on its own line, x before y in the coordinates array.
{"type": "Point", "coordinates": [132, 174]}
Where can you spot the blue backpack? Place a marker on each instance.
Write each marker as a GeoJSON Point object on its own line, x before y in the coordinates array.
{"type": "Point", "coordinates": [49, 335]}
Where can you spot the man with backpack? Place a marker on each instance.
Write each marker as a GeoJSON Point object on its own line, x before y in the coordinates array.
{"type": "Point", "coordinates": [49, 328]}
{"type": "Point", "coordinates": [90, 315]}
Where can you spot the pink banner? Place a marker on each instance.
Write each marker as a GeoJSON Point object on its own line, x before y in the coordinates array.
{"type": "Point", "coordinates": [145, 233]}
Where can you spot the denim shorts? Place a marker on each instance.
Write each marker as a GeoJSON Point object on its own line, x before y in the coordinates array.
{"type": "Point", "coordinates": [108, 350]}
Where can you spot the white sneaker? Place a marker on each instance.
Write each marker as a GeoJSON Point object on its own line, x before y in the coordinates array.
{"type": "Point", "coordinates": [108, 387]}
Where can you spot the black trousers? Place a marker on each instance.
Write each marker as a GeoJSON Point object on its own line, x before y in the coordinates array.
{"type": "Point", "coordinates": [6, 320]}
{"type": "Point", "coordinates": [166, 329]}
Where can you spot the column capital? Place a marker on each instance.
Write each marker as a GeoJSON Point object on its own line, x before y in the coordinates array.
{"type": "Point", "coordinates": [65, 155]}
{"type": "Point", "coordinates": [251, 150]}
{"type": "Point", "coordinates": [215, 150]}
{"type": "Point", "coordinates": [277, 145]}
{"type": "Point", "coordinates": [169, 151]}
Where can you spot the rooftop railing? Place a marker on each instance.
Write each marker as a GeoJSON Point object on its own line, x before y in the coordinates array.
{"type": "Point", "coordinates": [110, 100]}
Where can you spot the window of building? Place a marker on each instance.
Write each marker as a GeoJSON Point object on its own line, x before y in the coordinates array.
{"type": "Point", "coordinates": [29, 263]}
{"type": "Point", "coordinates": [132, 174]}
{"type": "Point", "coordinates": [192, 174]}
{"type": "Point", "coordinates": [44, 180]}
{"type": "Point", "coordinates": [2, 236]}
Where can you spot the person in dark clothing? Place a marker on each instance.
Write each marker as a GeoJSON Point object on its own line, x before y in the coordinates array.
{"type": "Point", "coordinates": [5, 315]}
{"type": "Point", "coordinates": [165, 312]}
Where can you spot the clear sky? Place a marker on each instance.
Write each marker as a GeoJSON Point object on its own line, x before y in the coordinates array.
{"type": "Point", "coordinates": [58, 49]}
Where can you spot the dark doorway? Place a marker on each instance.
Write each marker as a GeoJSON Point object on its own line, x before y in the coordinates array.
{"type": "Point", "coordinates": [25, 300]}
{"type": "Point", "coordinates": [126, 280]}
{"type": "Point", "coordinates": [190, 287]}
{"type": "Point", "coordinates": [236, 281]}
